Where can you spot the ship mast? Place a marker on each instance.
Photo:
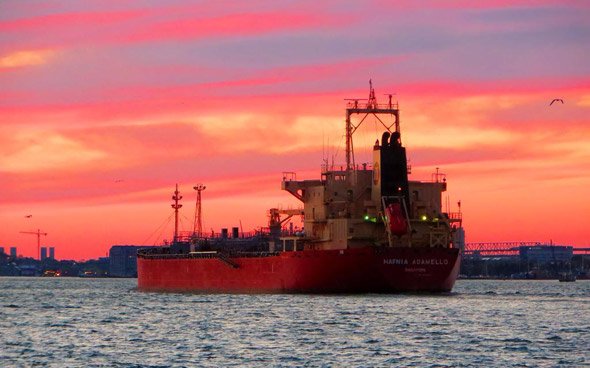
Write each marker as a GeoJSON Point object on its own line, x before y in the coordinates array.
{"type": "Point", "coordinates": [198, 224]}
{"type": "Point", "coordinates": [370, 108]}
{"type": "Point", "coordinates": [176, 197]}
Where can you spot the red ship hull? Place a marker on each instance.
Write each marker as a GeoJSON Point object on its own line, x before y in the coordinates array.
{"type": "Point", "coordinates": [362, 270]}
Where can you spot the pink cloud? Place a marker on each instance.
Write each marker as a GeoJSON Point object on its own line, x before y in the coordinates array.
{"type": "Point", "coordinates": [450, 88]}
{"type": "Point", "coordinates": [227, 25]}
{"type": "Point", "coordinates": [484, 4]}
{"type": "Point", "coordinates": [66, 20]}
{"type": "Point", "coordinates": [141, 101]}
{"type": "Point", "coordinates": [152, 24]}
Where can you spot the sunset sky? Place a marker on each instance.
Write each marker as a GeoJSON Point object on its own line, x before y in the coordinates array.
{"type": "Point", "coordinates": [106, 105]}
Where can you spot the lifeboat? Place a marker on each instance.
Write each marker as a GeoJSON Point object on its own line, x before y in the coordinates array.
{"type": "Point", "coordinates": [398, 225]}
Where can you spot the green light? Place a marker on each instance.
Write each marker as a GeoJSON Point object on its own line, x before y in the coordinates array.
{"type": "Point", "coordinates": [424, 218]}
{"type": "Point", "coordinates": [369, 218]}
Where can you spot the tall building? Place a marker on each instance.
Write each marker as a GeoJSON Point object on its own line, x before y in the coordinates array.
{"type": "Point", "coordinates": [13, 252]}
{"type": "Point", "coordinates": [544, 254]}
{"type": "Point", "coordinates": [51, 252]}
{"type": "Point", "coordinates": [1, 250]}
{"type": "Point", "coordinates": [123, 260]}
{"type": "Point", "coordinates": [43, 253]}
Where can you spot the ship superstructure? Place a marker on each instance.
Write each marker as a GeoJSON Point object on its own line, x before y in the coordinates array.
{"type": "Point", "coordinates": [349, 207]}
{"type": "Point", "coordinates": [367, 228]}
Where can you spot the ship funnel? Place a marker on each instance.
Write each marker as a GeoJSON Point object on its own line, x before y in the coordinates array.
{"type": "Point", "coordinates": [393, 168]}
{"type": "Point", "coordinates": [395, 139]}
{"type": "Point", "coordinates": [385, 139]}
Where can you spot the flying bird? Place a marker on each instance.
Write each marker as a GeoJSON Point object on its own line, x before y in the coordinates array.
{"type": "Point", "coordinates": [556, 100]}
{"type": "Point", "coordinates": [28, 216]}
{"type": "Point", "coordinates": [119, 181]}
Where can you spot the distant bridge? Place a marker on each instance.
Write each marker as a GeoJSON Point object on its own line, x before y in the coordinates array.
{"type": "Point", "coordinates": [503, 249]}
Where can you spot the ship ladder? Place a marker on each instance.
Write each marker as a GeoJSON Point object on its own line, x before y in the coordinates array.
{"type": "Point", "coordinates": [225, 259]}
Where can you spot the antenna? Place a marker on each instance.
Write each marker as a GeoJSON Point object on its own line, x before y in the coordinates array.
{"type": "Point", "coordinates": [371, 108]}
{"type": "Point", "coordinates": [324, 159]}
{"type": "Point", "coordinates": [390, 96]}
{"type": "Point", "coordinates": [372, 99]}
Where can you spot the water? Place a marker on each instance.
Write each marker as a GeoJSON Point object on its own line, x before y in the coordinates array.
{"type": "Point", "coordinates": [105, 322]}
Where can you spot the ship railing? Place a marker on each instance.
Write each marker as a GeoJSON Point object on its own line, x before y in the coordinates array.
{"type": "Point", "coordinates": [263, 232]}
{"type": "Point", "coordinates": [241, 234]}
{"type": "Point", "coordinates": [332, 168]}
{"type": "Point", "coordinates": [289, 176]}
{"type": "Point", "coordinates": [361, 104]}
{"type": "Point", "coordinates": [187, 236]}
{"type": "Point", "coordinates": [253, 254]}
{"type": "Point", "coordinates": [176, 256]}
{"type": "Point", "coordinates": [153, 254]}
{"type": "Point", "coordinates": [455, 216]}
{"type": "Point", "coordinates": [147, 252]}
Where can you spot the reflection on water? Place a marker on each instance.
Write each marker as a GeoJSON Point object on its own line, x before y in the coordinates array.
{"type": "Point", "coordinates": [94, 322]}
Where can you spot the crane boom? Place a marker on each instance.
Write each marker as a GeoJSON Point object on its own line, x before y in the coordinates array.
{"type": "Point", "coordinates": [38, 233]}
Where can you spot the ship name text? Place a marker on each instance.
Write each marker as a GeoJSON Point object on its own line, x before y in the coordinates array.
{"type": "Point", "coordinates": [417, 261]}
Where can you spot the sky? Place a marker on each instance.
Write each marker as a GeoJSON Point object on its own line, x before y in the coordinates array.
{"type": "Point", "coordinates": [106, 105]}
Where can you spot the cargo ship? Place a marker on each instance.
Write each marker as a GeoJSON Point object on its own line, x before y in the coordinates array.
{"type": "Point", "coordinates": [366, 229]}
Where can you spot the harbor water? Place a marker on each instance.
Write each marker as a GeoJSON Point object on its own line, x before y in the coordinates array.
{"type": "Point", "coordinates": [106, 322]}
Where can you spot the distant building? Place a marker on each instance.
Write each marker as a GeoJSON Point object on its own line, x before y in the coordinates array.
{"type": "Point", "coordinates": [28, 269]}
{"type": "Point", "coordinates": [51, 252]}
{"type": "Point", "coordinates": [123, 260]}
{"type": "Point", "coordinates": [13, 252]}
{"type": "Point", "coordinates": [1, 250]}
{"type": "Point", "coordinates": [43, 253]}
{"type": "Point", "coordinates": [543, 254]}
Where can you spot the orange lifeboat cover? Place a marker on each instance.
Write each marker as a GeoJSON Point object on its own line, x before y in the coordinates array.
{"type": "Point", "coordinates": [397, 221]}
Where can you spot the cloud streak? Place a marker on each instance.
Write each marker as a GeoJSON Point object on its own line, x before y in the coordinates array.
{"type": "Point", "coordinates": [25, 58]}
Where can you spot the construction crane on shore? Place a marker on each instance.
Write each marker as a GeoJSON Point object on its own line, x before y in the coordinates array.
{"type": "Point", "coordinates": [38, 233]}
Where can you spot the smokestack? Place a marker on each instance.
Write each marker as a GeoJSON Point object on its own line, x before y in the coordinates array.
{"type": "Point", "coordinates": [376, 188]}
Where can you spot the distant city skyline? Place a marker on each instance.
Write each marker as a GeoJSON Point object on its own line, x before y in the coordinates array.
{"type": "Point", "coordinates": [106, 105]}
